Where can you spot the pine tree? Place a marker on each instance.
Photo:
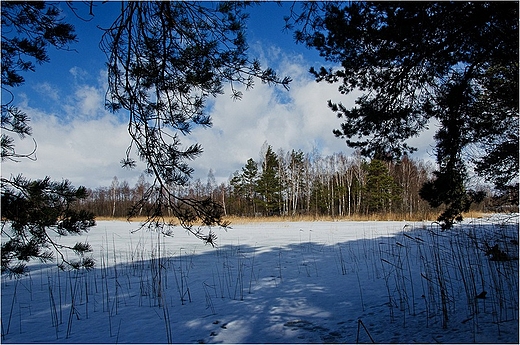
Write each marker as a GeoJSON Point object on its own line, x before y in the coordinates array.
{"type": "Point", "coordinates": [250, 183]}
{"type": "Point", "coordinates": [381, 190]}
{"type": "Point", "coordinates": [455, 63]}
{"type": "Point", "coordinates": [32, 208]}
{"type": "Point", "coordinates": [28, 29]}
{"type": "Point", "coordinates": [268, 186]}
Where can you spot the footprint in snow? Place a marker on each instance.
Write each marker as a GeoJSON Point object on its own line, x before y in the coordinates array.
{"type": "Point", "coordinates": [325, 334]}
{"type": "Point", "coordinates": [215, 333]}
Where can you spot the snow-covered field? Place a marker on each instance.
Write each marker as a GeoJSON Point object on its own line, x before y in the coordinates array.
{"type": "Point", "coordinates": [293, 282]}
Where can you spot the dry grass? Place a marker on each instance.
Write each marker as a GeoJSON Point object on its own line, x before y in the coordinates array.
{"type": "Point", "coordinates": [296, 218]}
{"type": "Point", "coordinates": [430, 217]}
{"type": "Point", "coordinates": [312, 218]}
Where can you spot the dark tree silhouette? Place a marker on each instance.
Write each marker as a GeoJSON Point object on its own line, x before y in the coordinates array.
{"type": "Point", "coordinates": [28, 29]}
{"type": "Point", "coordinates": [30, 209]}
{"type": "Point", "coordinates": [417, 63]}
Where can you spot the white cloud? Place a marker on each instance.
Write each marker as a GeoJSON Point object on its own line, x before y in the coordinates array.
{"type": "Point", "coordinates": [86, 152]}
{"type": "Point", "coordinates": [78, 72]}
{"type": "Point", "coordinates": [88, 101]}
{"type": "Point", "coordinates": [48, 91]}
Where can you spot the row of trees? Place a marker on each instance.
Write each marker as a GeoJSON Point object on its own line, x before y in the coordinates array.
{"type": "Point", "coordinates": [291, 183]}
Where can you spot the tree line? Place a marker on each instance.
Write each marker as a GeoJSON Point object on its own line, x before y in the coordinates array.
{"type": "Point", "coordinates": [294, 183]}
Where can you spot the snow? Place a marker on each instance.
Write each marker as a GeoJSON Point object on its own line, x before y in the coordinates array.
{"type": "Point", "coordinates": [284, 282]}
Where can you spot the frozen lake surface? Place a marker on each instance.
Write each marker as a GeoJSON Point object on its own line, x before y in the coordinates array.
{"type": "Point", "coordinates": [283, 282]}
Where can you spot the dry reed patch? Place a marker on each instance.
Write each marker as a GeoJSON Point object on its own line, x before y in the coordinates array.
{"type": "Point", "coordinates": [309, 218]}
{"type": "Point", "coordinates": [428, 217]}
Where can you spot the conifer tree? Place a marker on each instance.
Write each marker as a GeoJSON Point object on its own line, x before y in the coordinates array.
{"type": "Point", "coordinates": [451, 63]}
{"type": "Point", "coordinates": [250, 182]}
{"type": "Point", "coordinates": [268, 186]}
{"type": "Point", "coordinates": [32, 208]}
{"type": "Point", "coordinates": [381, 189]}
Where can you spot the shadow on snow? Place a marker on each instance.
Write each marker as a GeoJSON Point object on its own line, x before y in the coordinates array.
{"type": "Point", "coordinates": [420, 285]}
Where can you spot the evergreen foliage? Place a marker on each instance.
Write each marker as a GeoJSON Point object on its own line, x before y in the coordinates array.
{"type": "Point", "coordinates": [381, 189]}
{"type": "Point", "coordinates": [269, 185]}
{"type": "Point", "coordinates": [32, 209]}
{"type": "Point", "coordinates": [28, 29]}
{"type": "Point", "coordinates": [244, 184]}
{"type": "Point", "coordinates": [416, 62]}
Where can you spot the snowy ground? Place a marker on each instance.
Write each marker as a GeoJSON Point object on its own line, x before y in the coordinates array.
{"type": "Point", "coordinates": [294, 282]}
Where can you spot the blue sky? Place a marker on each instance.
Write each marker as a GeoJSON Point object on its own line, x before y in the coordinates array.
{"type": "Point", "coordinates": [79, 140]}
